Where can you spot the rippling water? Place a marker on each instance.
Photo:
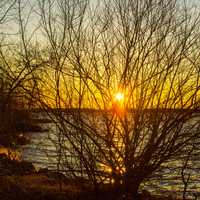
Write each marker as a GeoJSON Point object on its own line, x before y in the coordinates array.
{"type": "Point", "coordinates": [42, 153]}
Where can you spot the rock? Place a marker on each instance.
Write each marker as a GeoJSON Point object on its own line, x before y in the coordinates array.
{"type": "Point", "coordinates": [15, 167]}
{"type": "Point", "coordinates": [26, 167]}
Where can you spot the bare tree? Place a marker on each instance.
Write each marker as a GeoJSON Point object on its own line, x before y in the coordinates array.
{"type": "Point", "coordinates": [146, 50]}
{"type": "Point", "coordinates": [19, 67]}
{"type": "Point", "coordinates": [5, 8]}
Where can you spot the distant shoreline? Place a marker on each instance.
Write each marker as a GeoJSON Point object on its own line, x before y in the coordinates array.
{"type": "Point", "coordinates": [108, 110]}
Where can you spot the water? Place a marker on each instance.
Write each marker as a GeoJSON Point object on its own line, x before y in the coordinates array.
{"type": "Point", "coordinates": [43, 153]}
{"type": "Point", "coordinates": [41, 150]}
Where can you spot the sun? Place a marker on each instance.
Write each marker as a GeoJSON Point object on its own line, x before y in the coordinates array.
{"type": "Point", "coordinates": [118, 103]}
{"type": "Point", "coordinates": [119, 97]}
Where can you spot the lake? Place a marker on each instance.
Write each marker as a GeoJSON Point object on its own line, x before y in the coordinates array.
{"type": "Point", "coordinates": [42, 151]}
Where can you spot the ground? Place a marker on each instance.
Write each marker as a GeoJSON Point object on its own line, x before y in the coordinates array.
{"type": "Point", "coordinates": [37, 186]}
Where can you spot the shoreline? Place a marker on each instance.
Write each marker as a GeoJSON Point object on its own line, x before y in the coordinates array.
{"type": "Point", "coordinates": [21, 179]}
{"type": "Point", "coordinates": [38, 186]}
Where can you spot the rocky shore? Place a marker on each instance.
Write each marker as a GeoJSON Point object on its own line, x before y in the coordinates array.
{"type": "Point", "coordinates": [14, 167]}
{"type": "Point", "coordinates": [20, 180]}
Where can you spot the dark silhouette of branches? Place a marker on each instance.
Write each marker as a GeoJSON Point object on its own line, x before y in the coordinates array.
{"type": "Point", "coordinates": [5, 7]}
{"type": "Point", "coordinates": [85, 54]}
{"type": "Point", "coordinates": [19, 77]}
{"type": "Point", "coordinates": [145, 49]}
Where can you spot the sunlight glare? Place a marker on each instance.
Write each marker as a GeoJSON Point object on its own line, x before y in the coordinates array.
{"type": "Point", "coordinates": [119, 97]}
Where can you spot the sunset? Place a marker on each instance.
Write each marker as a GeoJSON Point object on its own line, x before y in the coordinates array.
{"type": "Point", "coordinates": [99, 99]}
{"type": "Point", "coordinates": [119, 97]}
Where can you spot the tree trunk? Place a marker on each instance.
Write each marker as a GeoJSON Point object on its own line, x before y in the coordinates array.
{"type": "Point", "coordinates": [131, 186]}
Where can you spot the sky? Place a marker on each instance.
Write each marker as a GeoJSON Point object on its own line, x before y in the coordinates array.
{"type": "Point", "coordinates": [30, 11]}
{"type": "Point", "coordinates": [30, 20]}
